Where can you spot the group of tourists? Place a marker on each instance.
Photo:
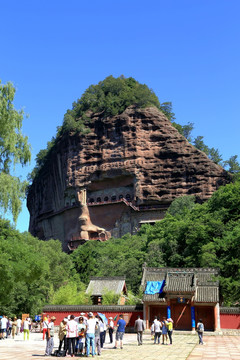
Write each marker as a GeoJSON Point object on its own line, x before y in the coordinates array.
{"type": "Point", "coordinates": [82, 335]}
{"type": "Point", "coordinates": [9, 327]}
{"type": "Point", "coordinates": [162, 328]}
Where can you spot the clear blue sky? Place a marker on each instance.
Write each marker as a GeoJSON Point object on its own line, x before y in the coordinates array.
{"type": "Point", "coordinates": [187, 51]}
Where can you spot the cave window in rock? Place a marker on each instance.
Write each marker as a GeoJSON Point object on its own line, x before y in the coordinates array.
{"type": "Point", "coordinates": [99, 199]}
{"type": "Point", "coordinates": [91, 200]}
{"type": "Point", "coordinates": [93, 235]}
{"type": "Point", "coordinates": [66, 201]}
{"type": "Point", "coordinates": [128, 197]}
{"type": "Point", "coordinates": [113, 198]}
{"type": "Point", "coordinates": [73, 201]}
{"type": "Point", "coordinates": [106, 198]}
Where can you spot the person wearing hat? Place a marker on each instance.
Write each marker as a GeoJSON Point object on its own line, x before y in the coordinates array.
{"type": "Point", "coordinates": [62, 334]}
{"type": "Point", "coordinates": [50, 337]}
{"type": "Point", "coordinates": [14, 327]}
{"type": "Point", "coordinates": [110, 329]}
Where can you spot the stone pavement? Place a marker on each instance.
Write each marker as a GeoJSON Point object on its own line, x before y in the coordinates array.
{"type": "Point", "coordinates": [217, 347]}
{"type": "Point", "coordinates": [184, 347]}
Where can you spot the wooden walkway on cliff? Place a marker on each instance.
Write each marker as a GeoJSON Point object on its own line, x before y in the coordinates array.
{"type": "Point", "coordinates": [128, 203]}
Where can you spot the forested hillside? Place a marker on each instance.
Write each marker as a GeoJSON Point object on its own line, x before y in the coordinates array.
{"type": "Point", "coordinates": [191, 235]}
{"type": "Point", "coordinates": [34, 273]}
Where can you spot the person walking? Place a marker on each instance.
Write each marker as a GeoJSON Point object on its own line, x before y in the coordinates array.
{"type": "Point", "coordinates": [200, 330]}
{"type": "Point", "coordinates": [121, 324]}
{"type": "Point", "coordinates": [139, 327]}
{"type": "Point", "coordinates": [50, 337]}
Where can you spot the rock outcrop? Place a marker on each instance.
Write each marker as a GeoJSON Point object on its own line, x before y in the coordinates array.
{"type": "Point", "coordinates": [126, 171]}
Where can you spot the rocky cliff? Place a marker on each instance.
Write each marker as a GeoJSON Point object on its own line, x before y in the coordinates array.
{"type": "Point", "coordinates": [124, 172]}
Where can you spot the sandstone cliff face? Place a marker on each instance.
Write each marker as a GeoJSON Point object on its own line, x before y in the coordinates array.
{"type": "Point", "coordinates": [124, 172]}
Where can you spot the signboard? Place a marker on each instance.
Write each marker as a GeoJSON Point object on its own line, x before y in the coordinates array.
{"type": "Point", "coordinates": [24, 316]}
{"type": "Point", "coordinates": [181, 300]}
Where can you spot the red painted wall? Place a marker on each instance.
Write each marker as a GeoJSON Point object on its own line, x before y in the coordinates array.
{"type": "Point", "coordinates": [227, 321]}
{"type": "Point", "coordinates": [230, 321]}
{"type": "Point", "coordinates": [129, 317]}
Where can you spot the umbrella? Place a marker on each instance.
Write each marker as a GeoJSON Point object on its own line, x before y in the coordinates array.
{"type": "Point", "coordinates": [103, 317]}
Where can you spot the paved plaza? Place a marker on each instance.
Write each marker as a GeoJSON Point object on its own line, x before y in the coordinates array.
{"type": "Point", "coordinates": [185, 347]}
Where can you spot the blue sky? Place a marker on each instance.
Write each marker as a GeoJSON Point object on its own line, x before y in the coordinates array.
{"type": "Point", "coordinates": [187, 51]}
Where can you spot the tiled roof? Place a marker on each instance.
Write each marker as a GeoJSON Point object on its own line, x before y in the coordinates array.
{"type": "Point", "coordinates": [207, 294]}
{"type": "Point", "coordinates": [87, 308]}
{"type": "Point", "coordinates": [229, 310]}
{"type": "Point", "coordinates": [97, 285]}
{"type": "Point", "coordinates": [180, 283]}
{"type": "Point", "coordinates": [153, 298]}
{"type": "Point", "coordinates": [201, 282]}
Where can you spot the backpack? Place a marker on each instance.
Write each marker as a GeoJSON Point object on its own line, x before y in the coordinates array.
{"type": "Point", "coordinates": [200, 327]}
{"type": "Point", "coordinates": [61, 353]}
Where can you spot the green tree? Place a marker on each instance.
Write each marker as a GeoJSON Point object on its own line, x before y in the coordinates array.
{"type": "Point", "coordinates": [233, 166]}
{"type": "Point", "coordinates": [109, 297]}
{"type": "Point", "coordinates": [14, 148]}
{"type": "Point", "coordinates": [73, 293]}
{"type": "Point", "coordinates": [31, 270]}
{"type": "Point", "coordinates": [212, 153]}
{"type": "Point", "coordinates": [181, 205]}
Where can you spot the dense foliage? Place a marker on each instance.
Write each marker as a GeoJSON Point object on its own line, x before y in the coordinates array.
{"type": "Point", "coordinates": [109, 97]}
{"type": "Point", "coordinates": [191, 235]}
{"type": "Point", "coordinates": [14, 149]}
{"type": "Point", "coordinates": [31, 271]}
{"type": "Point", "coordinates": [34, 272]}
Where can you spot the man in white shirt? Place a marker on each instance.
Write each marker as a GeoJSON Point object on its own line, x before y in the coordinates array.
{"type": "Point", "coordinates": [157, 330]}
{"type": "Point", "coordinates": [90, 333]}
{"type": "Point", "coordinates": [4, 321]}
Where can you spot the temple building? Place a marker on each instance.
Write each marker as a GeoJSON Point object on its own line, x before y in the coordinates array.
{"type": "Point", "coordinates": [183, 294]}
{"type": "Point", "coordinates": [98, 286]}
